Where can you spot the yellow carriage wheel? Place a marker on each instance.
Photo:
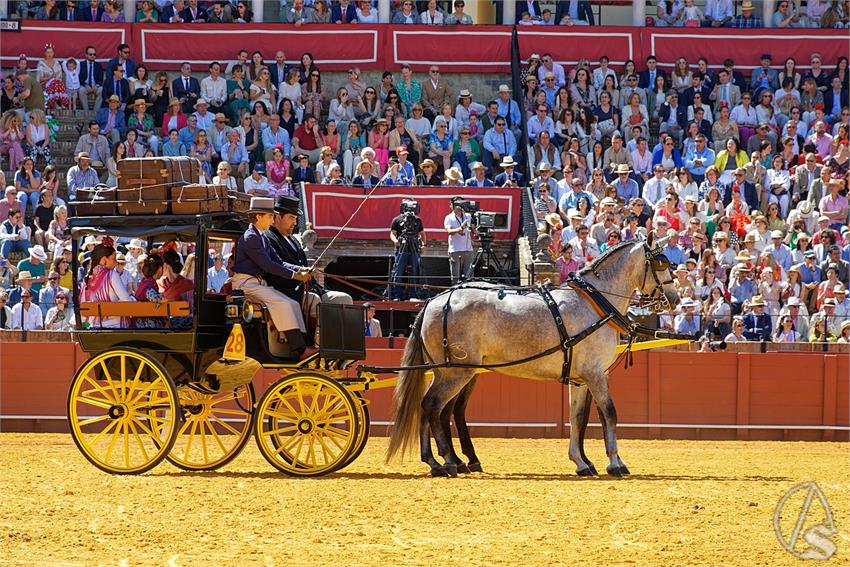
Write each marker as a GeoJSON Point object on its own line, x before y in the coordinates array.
{"type": "Point", "coordinates": [215, 428]}
{"type": "Point", "coordinates": [306, 424]}
{"type": "Point", "coordinates": [362, 405]}
{"type": "Point", "coordinates": [123, 411]}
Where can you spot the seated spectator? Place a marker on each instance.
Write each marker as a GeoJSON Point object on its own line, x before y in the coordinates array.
{"type": "Point", "coordinates": [14, 234]}
{"type": "Point", "coordinates": [574, 13]}
{"type": "Point", "coordinates": [111, 120]}
{"type": "Point", "coordinates": [27, 315]}
{"type": "Point", "coordinates": [94, 144]}
{"type": "Point", "coordinates": [194, 13]}
{"type": "Point", "coordinates": [221, 13]}
{"type": "Point", "coordinates": [257, 184]}
{"type": "Point", "coordinates": [49, 291]}
{"type": "Point", "coordinates": [364, 175]}
{"type": "Point", "coordinates": [189, 133]}
{"type": "Point", "coordinates": [301, 171]}
{"type": "Point", "coordinates": [509, 176]}
{"type": "Point", "coordinates": [173, 147]}
{"type": "Point", "coordinates": [458, 16]}
{"type": "Point", "coordinates": [669, 13]}
{"type": "Point", "coordinates": [478, 178]}
{"type": "Point", "coordinates": [307, 139]}
{"type": "Point", "coordinates": [224, 178]}
{"type": "Point", "coordinates": [747, 19]}
{"type": "Point", "coordinates": [235, 154]}
{"type": "Point", "coordinates": [699, 158]}
{"type": "Point", "coordinates": [81, 176]}
{"type": "Point", "coordinates": [343, 12]}
{"type": "Point", "coordinates": [297, 13]}
{"type": "Point", "coordinates": [757, 323]}
{"type": "Point", "coordinates": [407, 14]}
{"type": "Point", "coordinates": [12, 138]}
{"type": "Point", "coordinates": [432, 16]}
{"type": "Point", "coordinates": [688, 322]}
{"type": "Point", "coordinates": [59, 317]}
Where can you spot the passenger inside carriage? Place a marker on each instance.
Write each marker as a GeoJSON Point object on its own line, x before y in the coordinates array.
{"type": "Point", "coordinates": [102, 283]}
{"type": "Point", "coordinates": [173, 285]}
{"type": "Point", "coordinates": [148, 290]}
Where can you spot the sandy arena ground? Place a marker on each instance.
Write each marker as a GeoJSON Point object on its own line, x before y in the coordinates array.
{"type": "Point", "coordinates": [687, 503]}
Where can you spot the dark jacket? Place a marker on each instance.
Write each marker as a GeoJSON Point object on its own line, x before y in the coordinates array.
{"type": "Point", "coordinates": [688, 96]}
{"type": "Point", "coordinates": [179, 91]}
{"type": "Point", "coordinates": [358, 181]}
{"type": "Point", "coordinates": [277, 80]}
{"type": "Point", "coordinates": [433, 181]}
{"type": "Point", "coordinates": [186, 14]}
{"type": "Point", "coordinates": [123, 90]}
{"type": "Point", "coordinates": [84, 72]}
{"type": "Point", "coordinates": [308, 176]}
{"type": "Point", "coordinates": [643, 78]}
{"type": "Point", "coordinates": [502, 178]}
{"type": "Point", "coordinates": [584, 12]}
{"type": "Point", "coordinates": [130, 67]}
{"type": "Point", "coordinates": [289, 250]}
{"type": "Point", "coordinates": [84, 14]}
{"type": "Point", "coordinates": [350, 14]}
{"type": "Point", "coordinates": [63, 14]}
{"type": "Point", "coordinates": [522, 6]}
{"type": "Point", "coordinates": [758, 327]}
{"type": "Point", "coordinates": [681, 113]}
{"type": "Point", "coordinates": [749, 194]}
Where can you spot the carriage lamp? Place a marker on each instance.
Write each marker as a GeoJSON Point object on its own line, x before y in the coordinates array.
{"type": "Point", "coordinates": [235, 305]}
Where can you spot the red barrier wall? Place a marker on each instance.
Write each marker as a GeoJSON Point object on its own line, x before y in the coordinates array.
{"type": "Point", "coordinates": [792, 396]}
{"type": "Point", "coordinates": [482, 49]}
{"type": "Point", "coordinates": [330, 207]}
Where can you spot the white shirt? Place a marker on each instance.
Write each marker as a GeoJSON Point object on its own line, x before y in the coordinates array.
{"type": "Point", "coordinates": [557, 70]}
{"type": "Point", "coordinates": [214, 91]}
{"type": "Point", "coordinates": [252, 185]}
{"type": "Point", "coordinates": [462, 241]}
{"type": "Point", "coordinates": [28, 320]}
{"type": "Point", "coordinates": [654, 190]}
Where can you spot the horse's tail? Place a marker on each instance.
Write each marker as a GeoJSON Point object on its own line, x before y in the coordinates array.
{"type": "Point", "coordinates": [409, 392]}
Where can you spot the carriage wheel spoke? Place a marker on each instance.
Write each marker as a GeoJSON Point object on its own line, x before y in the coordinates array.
{"type": "Point", "coordinates": [223, 424]}
{"type": "Point", "coordinates": [115, 435]}
{"type": "Point", "coordinates": [97, 419]}
{"type": "Point", "coordinates": [106, 429]}
{"type": "Point", "coordinates": [203, 428]}
{"type": "Point", "coordinates": [218, 438]}
{"type": "Point", "coordinates": [98, 403]}
{"type": "Point", "coordinates": [191, 438]}
{"type": "Point", "coordinates": [141, 443]}
{"type": "Point", "coordinates": [126, 428]}
{"type": "Point", "coordinates": [101, 389]}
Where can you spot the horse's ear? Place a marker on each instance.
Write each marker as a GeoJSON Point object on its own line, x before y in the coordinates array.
{"type": "Point", "coordinates": [650, 237]}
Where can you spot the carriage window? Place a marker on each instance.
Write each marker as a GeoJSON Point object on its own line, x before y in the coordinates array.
{"type": "Point", "coordinates": [221, 255]}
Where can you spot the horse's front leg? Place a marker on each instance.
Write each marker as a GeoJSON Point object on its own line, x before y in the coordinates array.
{"type": "Point", "coordinates": [579, 415]}
{"type": "Point", "coordinates": [598, 386]}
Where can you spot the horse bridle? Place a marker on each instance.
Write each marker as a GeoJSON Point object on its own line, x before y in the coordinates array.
{"type": "Point", "coordinates": [656, 261]}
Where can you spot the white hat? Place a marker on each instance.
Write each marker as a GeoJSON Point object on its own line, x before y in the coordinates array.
{"type": "Point", "coordinates": [504, 89]}
{"type": "Point", "coordinates": [136, 243]}
{"type": "Point", "coordinates": [200, 102]}
{"type": "Point", "coordinates": [37, 251]}
{"type": "Point", "coordinates": [776, 234]}
{"type": "Point", "coordinates": [793, 300]}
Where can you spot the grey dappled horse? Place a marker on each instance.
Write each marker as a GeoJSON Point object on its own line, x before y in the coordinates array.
{"type": "Point", "coordinates": [485, 330]}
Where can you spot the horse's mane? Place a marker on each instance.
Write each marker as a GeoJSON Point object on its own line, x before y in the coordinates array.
{"type": "Point", "coordinates": [596, 264]}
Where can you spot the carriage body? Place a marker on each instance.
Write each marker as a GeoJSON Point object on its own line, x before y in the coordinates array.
{"type": "Point", "coordinates": [185, 393]}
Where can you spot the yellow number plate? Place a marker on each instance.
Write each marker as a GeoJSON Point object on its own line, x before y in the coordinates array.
{"type": "Point", "coordinates": [234, 349]}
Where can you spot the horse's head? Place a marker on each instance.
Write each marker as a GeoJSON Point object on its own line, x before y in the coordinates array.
{"type": "Point", "coordinates": [659, 293]}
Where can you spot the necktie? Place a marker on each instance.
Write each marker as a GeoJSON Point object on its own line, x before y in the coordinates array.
{"type": "Point", "coordinates": [344, 14]}
{"type": "Point", "coordinates": [91, 73]}
{"type": "Point", "coordinates": [651, 79]}
{"type": "Point", "coordinates": [117, 88]}
{"type": "Point", "coordinates": [725, 93]}
{"type": "Point", "coordinates": [368, 330]}
{"type": "Point", "coordinates": [186, 84]}
{"type": "Point", "coordinates": [94, 14]}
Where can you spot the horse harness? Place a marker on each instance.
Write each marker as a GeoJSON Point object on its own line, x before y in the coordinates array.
{"type": "Point", "coordinates": [609, 315]}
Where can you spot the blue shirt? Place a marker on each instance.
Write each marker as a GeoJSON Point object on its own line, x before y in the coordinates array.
{"type": "Point", "coordinates": [271, 139]}
{"type": "Point", "coordinates": [740, 292]}
{"type": "Point", "coordinates": [503, 144]}
{"type": "Point", "coordinates": [706, 156]}
{"type": "Point", "coordinates": [510, 110]}
{"type": "Point", "coordinates": [809, 275]}
{"type": "Point", "coordinates": [186, 136]}
{"type": "Point", "coordinates": [570, 199]}
{"type": "Point", "coordinates": [240, 154]}
{"type": "Point", "coordinates": [688, 327]}
{"type": "Point", "coordinates": [216, 278]}
{"type": "Point", "coordinates": [627, 191]}
{"type": "Point", "coordinates": [782, 255]}
{"type": "Point", "coordinates": [174, 149]}
{"type": "Point", "coordinates": [674, 254]}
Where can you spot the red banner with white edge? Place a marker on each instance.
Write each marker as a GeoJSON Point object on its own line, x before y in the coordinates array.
{"type": "Point", "coordinates": [330, 207]}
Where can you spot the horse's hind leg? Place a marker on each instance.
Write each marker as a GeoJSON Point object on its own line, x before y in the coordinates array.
{"type": "Point", "coordinates": [446, 386]}
{"type": "Point", "coordinates": [425, 451]}
{"type": "Point", "coordinates": [579, 415]}
{"type": "Point", "coordinates": [474, 465]}
{"type": "Point", "coordinates": [598, 386]}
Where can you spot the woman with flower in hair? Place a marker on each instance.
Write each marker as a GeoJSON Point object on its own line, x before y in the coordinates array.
{"type": "Point", "coordinates": [49, 74]}
{"type": "Point", "coordinates": [103, 284]}
{"type": "Point", "coordinates": [172, 285]}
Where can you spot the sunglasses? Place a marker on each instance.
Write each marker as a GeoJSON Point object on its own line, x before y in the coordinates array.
{"type": "Point", "coordinates": [314, 74]}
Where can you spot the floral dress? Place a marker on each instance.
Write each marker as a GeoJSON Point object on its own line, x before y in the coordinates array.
{"type": "Point", "coordinates": [148, 291]}
{"type": "Point", "coordinates": [54, 86]}
{"type": "Point", "coordinates": [205, 156]}
{"type": "Point", "coordinates": [277, 174]}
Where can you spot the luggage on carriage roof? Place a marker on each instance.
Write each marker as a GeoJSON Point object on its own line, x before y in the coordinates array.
{"type": "Point", "coordinates": [95, 201]}
{"type": "Point", "coordinates": [134, 173]}
{"type": "Point", "coordinates": [197, 199]}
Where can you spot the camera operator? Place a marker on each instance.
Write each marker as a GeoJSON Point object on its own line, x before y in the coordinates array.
{"type": "Point", "coordinates": [457, 224]}
{"type": "Point", "coordinates": [408, 235]}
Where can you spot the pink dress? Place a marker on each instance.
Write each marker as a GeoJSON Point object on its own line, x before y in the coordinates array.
{"type": "Point", "coordinates": [11, 142]}
{"type": "Point", "coordinates": [380, 144]}
{"type": "Point", "coordinates": [277, 174]}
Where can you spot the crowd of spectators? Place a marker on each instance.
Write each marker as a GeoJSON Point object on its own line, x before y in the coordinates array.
{"type": "Point", "coordinates": [745, 171]}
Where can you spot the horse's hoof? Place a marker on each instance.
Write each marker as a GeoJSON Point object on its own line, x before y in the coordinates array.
{"type": "Point", "coordinates": [592, 470]}
{"type": "Point", "coordinates": [624, 470]}
{"type": "Point", "coordinates": [451, 470]}
{"type": "Point", "coordinates": [439, 471]}
{"type": "Point", "coordinates": [463, 469]}
{"type": "Point", "coordinates": [614, 471]}
{"type": "Point", "coordinates": [475, 467]}
{"type": "Point", "coordinates": [587, 471]}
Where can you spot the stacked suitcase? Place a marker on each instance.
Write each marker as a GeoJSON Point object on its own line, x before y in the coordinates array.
{"type": "Point", "coordinates": [158, 186]}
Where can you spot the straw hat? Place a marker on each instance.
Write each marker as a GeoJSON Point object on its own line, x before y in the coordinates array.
{"type": "Point", "coordinates": [623, 168]}
{"type": "Point", "coordinates": [38, 252]}
{"type": "Point", "coordinates": [24, 275]}
{"type": "Point", "coordinates": [82, 155]}
{"type": "Point", "coordinates": [757, 301]}
{"type": "Point", "coordinates": [173, 102]}
{"type": "Point", "coordinates": [201, 102]}
{"type": "Point", "coordinates": [136, 243]}
{"type": "Point", "coordinates": [452, 173]}
{"type": "Point", "coordinates": [544, 167]}
{"type": "Point", "coordinates": [476, 165]}
{"type": "Point", "coordinates": [141, 102]}
{"type": "Point", "coordinates": [431, 163]}
{"type": "Point", "coordinates": [507, 161]}
{"type": "Point", "coordinates": [553, 219]}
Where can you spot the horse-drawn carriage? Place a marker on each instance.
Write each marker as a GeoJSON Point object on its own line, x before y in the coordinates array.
{"type": "Point", "coordinates": [184, 393]}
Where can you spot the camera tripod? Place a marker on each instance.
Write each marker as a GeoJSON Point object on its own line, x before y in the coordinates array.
{"type": "Point", "coordinates": [406, 255]}
{"type": "Point", "coordinates": [487, 262]}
